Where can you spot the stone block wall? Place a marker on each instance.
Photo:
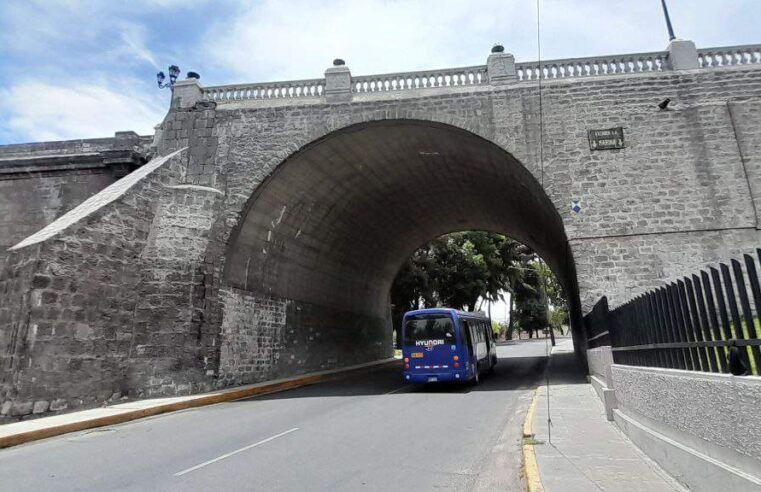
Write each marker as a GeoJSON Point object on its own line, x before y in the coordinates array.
{"type": "Point", "coordinates": [251, 337]}
{"type": "Point", "coordinates": [265, 338]}
{"type": "Point", "coordinates": [33, 202]}
{"type": "Point", "coordinates": [39, 182]}
{"type": "Point", "coordinates": [92, 324]}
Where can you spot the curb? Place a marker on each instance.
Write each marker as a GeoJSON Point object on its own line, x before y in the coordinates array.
{"type": "Point", "coordinates": [123, 413]}
{"type": "Point", "coordinates": [530, 466]}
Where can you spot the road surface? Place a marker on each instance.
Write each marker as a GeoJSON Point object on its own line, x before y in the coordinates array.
{"type": "Point", "coordinates": [369, 431]}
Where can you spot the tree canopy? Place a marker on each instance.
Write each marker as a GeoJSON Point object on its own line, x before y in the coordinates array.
{"type": "Point", "coordinates": [457, 269]}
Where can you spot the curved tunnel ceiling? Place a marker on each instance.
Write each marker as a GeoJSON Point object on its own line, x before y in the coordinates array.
{"type": "Point", "coordinates": [334, 223]}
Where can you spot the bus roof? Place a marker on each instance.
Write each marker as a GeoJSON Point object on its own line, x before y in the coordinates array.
{"type": "Point", "coordinates": [442, 310]}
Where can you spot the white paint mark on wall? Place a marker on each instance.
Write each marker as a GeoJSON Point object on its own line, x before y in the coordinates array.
{"type": "Point", "coordinates": [195, 187]}
{"type": "Point", "coordinates": [248, 262]}
{"type": "Point", "coordinates": [279, 217]}
{"type": "Point", "coordinates": [32, 335]}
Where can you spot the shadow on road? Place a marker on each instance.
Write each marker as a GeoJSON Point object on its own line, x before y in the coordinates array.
{"type": "Point", "coordinates": [564, 368]}
{"type": "Point", "coordinates": [511, 373]}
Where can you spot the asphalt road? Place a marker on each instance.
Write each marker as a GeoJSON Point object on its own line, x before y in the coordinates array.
{"type": "Point", "coordinates": [369, 431]}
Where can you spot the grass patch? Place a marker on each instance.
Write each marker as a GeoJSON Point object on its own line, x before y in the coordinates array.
{"type": "Point", "coordinates": [530, 441]}
{"type": "Point", "coordinates": [746, 335]}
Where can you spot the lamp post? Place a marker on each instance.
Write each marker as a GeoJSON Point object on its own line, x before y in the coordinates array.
{"type": "Point", "coordinates": [668, 20]}
{"type": "Point", "coordinates": [174, 72]}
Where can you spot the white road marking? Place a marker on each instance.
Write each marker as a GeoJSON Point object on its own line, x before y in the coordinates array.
{"type": "Point", "coordinates": [227, 455]}
{"type": "Point", "coordinates": [397, 389]}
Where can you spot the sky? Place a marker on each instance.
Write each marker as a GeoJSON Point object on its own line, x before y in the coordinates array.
{"type": "Point", "coordinates": [86, 69]}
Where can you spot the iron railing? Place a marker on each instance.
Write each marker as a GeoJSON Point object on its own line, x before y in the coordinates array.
{"type": "Point", "coordinates": [708, 321]}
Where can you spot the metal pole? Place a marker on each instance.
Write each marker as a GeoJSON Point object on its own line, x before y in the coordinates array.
{"type": "Point", "coordinates": [668, 21]}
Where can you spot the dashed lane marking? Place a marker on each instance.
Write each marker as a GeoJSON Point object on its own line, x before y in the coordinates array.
{"type": "Point", "coordinates": [231, 453]}
{"type": "Point", "coordinates": [397, 390]}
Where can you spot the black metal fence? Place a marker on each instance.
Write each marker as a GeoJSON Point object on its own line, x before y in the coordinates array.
{"type": "Point", "coordinates": [705, 322]}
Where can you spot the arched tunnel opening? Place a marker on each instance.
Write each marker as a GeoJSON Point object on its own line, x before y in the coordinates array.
{"type": "Point", "coordinates": [322, 239]}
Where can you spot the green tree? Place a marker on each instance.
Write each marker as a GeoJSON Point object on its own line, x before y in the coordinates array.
{"type": "Point", "coordinates": [556, 299]}
{"type": "Point", "coordinates": [531, 310]}
{"type": "Point", "coordinates": [457, 269]}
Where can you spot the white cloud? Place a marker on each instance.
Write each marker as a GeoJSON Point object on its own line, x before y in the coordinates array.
{"type": "Point", "coordinates": [301, 38]}
{"type": "Point", "coordinates": [40, 111]}
{"type": "Point", "coordinates": [272, 39]}
{"type": "Point", "coordinates": [134, 44]}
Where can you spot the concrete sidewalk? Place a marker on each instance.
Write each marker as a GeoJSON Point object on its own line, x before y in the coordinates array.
{"type": "Point", "coordinates": [586, 452]}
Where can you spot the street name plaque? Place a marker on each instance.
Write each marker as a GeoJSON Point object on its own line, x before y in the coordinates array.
{"type": "Point", "coordinates": [607, 139]}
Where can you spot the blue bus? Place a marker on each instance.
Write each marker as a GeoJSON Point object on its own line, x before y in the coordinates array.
{"type": "Point", "coordinates": [442, 344]}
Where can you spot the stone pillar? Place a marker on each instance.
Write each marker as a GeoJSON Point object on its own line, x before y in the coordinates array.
{"type": "Point", "coordinates": [683, 55]}
{"type": "Point", "coordinates": [186, 93]}
{"type": "Point", "coordinates": [338, 82]}
{"type": "Point", "coordinates": [500, 66]}
{"type": "Point", "coordinates": [126, 140]}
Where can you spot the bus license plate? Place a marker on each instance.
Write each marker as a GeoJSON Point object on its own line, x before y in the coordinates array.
{"type": "Point", "coordinates": [432, 379]}
{"type": "Point", "coordinates": [417, 355]}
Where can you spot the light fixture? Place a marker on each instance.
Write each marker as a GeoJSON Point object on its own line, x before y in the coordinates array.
{"type": "Point", "coordinates": [174, 72]}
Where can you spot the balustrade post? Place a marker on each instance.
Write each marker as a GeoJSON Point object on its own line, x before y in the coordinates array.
{"type": "Point", "coordinates": [500, 66]}
{"type": "Point", "coordinates": [683, 55]}
{"type": "Point", "coordinates": [338, 83]}
{"type": "Point", "coordinates": [185, 93]}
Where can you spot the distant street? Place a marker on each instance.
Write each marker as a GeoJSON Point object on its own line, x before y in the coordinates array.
{"type": "Point", "coordinates": [366, 432]}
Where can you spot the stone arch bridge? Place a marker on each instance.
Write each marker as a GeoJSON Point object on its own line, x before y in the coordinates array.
{"type": "Point", "coordinates": [262, 238]}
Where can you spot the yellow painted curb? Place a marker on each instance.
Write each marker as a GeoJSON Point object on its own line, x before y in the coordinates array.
{"type": "Point", "coordinates": [530, 466]}
{"type": "Point", "coordinates": [200, 401]}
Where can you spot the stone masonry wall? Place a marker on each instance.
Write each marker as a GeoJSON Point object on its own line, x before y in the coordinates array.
{"type": "Point", "coordinates": [251, 337]}
{"type": "Point", "coordinates": [265, 338]}
{"type": "Point", "coordinates": [745, 118]}
{"type": "Point", "coordinates": [30, 204]}
{"type": "Point", "coordinates": [676, 198]}
{"type": "Point", "coordinates": [681, 170]}
{"type": "Point", "coordinates": [39, 182]}
{"type": "Point", "coordinates": [91, 329]}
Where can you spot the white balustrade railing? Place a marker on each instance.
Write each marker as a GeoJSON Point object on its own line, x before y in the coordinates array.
{"type": "Point", "coordinates": [451, 77]}
{"type": "Point", "coordinates": [266, 90]}
{"type": "Point", "coordinates": [589, 67]}
{"type": "Point", "coordinates": [731, 55]}
{"type": "Point", "coordinates": [478, 75]}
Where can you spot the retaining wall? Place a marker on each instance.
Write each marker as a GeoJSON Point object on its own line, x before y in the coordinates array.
{"type": "Point", "coordinates": [702, 428]}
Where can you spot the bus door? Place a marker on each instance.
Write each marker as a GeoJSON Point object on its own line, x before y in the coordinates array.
{"type": "Point", "coordinates": [479, 341]}
{"type": "Point", "coordinates": [481, 350]}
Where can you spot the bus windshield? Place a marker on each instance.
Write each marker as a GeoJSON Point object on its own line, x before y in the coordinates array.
{"type": "Point", "coordinates": [429, 329]}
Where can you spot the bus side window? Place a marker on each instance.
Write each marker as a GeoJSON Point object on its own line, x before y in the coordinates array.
{"type": "Point", "coordinates": [465, 333]}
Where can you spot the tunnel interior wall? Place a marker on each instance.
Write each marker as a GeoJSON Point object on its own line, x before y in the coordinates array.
{"type": "Point", "coordinates": [265, 338]}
